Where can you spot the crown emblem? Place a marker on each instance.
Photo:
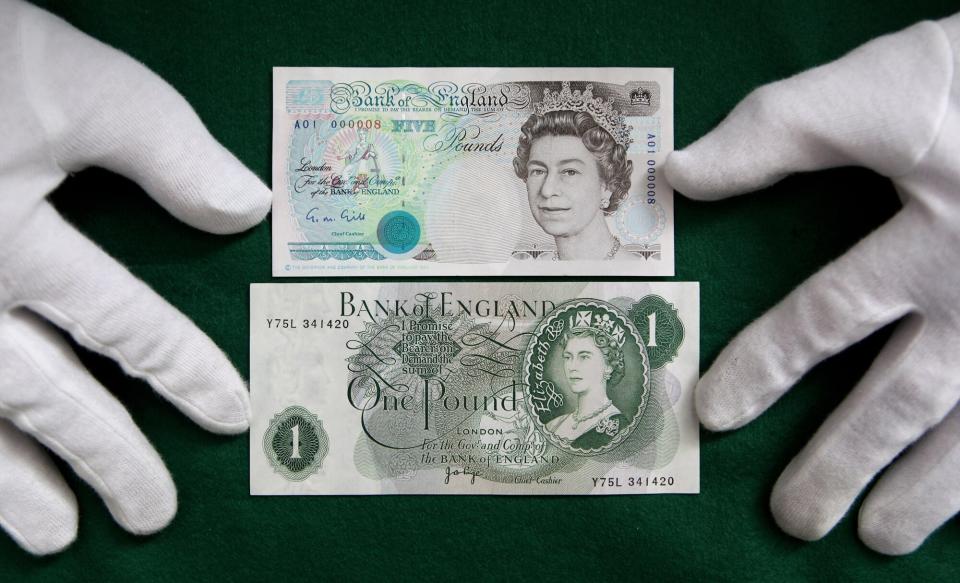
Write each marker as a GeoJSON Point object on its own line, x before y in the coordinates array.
{"type": "Point", "coordinates": [640, 97]}
{"type": "Point", "coordinates": [602, 112]}
{"type": "Point", "coordinates": [603, 323]}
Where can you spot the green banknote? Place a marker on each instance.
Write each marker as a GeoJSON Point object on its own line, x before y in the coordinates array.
{"type": "Point", "coordinates": [511, 171]}
{"type": "Point", "coordinates": [474, 388]}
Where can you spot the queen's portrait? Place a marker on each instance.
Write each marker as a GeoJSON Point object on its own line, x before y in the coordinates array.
{"type": "Point", "coordinates": [592, 362]}
{"type": "Point", "coordinates": [572, 155]}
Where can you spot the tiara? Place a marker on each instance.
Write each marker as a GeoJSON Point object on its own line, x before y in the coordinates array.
{"type": "Point", "coordinates": [603, 112]}
{"type": "Point", "coordinates": [586, 319]}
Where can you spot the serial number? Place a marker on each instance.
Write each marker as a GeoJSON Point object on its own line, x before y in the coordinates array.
{"type": "Point", "coordinates": [360, 124]}
{"type": "Point", "coordinates": [293, 324]}
{"type": "Point", "coordinates": [632, 481]}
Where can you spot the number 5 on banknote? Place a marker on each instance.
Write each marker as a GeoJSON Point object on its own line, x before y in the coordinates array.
{"type": "Point", "coordinates": [498, 388]}
{"type": "Point", "coordinates": [472, 172]}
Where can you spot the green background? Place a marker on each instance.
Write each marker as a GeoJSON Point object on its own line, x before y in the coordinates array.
{"type": "Point", "coordinates": [747, 253]}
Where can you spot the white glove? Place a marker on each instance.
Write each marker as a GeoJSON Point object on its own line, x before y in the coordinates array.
{"type": "Point", "coordinates": [892, 105]}
{"type": "Point", "coordinates": [68, 102]}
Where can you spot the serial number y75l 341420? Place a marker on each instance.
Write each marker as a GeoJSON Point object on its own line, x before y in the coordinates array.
{"type": "Point", "coordinates": [633, 481]}
{"type": "Point", "coordinates": [294, 323]}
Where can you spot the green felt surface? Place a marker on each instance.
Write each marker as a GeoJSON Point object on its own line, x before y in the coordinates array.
{"type": "Point", "coordinates": [747, 253]}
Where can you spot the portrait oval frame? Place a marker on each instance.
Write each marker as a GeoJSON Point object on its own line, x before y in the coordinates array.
{"type": "Point", "coordinates": [540, 391]}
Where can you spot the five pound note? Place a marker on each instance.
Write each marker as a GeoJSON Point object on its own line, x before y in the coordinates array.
{"type": "Point", "coordinates": [480, 388]}
{"type": "Point", "coordinates": [431, 172]}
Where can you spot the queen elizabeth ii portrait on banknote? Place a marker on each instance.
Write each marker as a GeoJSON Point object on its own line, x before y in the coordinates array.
{"type": "Point", "coordinates": [587, 377]}
{"type": "Point", "coordinates": [572, 155]}
{"type": "Point", "coordinates": [591, 360]}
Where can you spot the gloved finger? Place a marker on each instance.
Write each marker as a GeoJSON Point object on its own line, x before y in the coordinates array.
{"type": "Point", "coordinates": [37, 508]}
{"type": "Point", "coordinates": [842, 113]}
{"type": "Point", "coordinates": [906, 391]}
{"type": "Point", "coordinates": [47, 393]}
{"type": "Point", "coordinates": [62, 275]}
{"type": "Point", "coordinates": [917, 494]}
{"type": "Point", "coordinates": [838, 306]}
{"type": "Point", "coordinates": [102, 108]}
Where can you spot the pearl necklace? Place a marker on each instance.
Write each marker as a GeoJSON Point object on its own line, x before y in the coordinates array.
{"type": "Point", "coordinates": [577, 420]}
{"type": "Point", "coordinates": [610, 254]}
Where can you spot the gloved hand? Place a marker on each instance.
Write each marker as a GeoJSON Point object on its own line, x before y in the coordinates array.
{"type": "Point", "coordinates": [68, 102]}
{"type": "Point", "coordinates": [892, 105]}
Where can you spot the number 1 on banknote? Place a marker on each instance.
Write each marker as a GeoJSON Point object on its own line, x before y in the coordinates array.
{"type": "Point", "coordinates": [413, 172]}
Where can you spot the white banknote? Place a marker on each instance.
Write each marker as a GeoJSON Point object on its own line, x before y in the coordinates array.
{"type": "Point", "coordinates": [428, 172]}
{"type": "Point", "coordinates": [474, 388]}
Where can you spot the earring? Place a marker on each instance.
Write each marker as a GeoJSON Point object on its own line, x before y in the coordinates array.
{"type": "Point", "coordinates": [604, 203]}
